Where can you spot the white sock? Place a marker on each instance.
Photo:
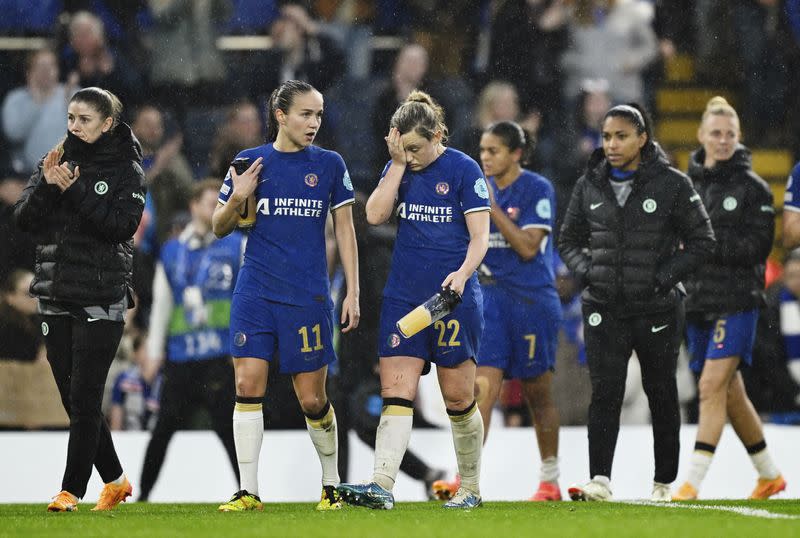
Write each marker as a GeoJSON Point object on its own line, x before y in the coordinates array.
{"type": "Point", "coordinates": [394, 431]}
{"type": "Point", "coordinates": [119, 481]}
{"type": "Point", "coordinates": [468, 441]}
{"type": "Point", "coordinates": [698, 467]}
{"type": "Point", "coordinates": [323, 435]}
{"type": "Point", "coordinates": [549, 470]}
{"type": "Point", "coordinates": [248, 433]}
{"type": "Point", "coordinates": [763, 463]}
{"type": "Point", "coordinates": [600, 479]}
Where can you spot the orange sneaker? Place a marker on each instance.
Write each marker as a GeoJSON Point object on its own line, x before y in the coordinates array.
{"type": "Point", "coordinates": [444, 490]}
{"type": "Point", "coordinates": [548, 491]}
{"type": "Point", "coordinates": [766, 488]}
{"type": "Point", "coordinates": [63, 502]}
{"type": "Point", "coordinates": [113, 494]}
{"type": "Point", "coordinates": [686, 492]}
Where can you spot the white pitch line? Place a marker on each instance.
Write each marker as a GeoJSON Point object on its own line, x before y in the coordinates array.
{"type": "Point", "coordinates": [741, 510]}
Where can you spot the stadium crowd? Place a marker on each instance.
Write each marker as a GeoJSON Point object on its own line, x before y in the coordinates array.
{"type": "Point", "coordinates": [195, 77]}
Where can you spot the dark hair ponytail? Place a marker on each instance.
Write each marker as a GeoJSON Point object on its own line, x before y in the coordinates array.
{"type": "Point", "coordinates": [514, 137]}
{"type": "Point", "coordinates": [282, 98]}
{"type": "Point", "coordinates": [103, 101]}
{"type": "Point", "coordinates": [637, 116]}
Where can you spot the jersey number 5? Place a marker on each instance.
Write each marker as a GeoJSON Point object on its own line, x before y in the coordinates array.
{"type": "Point", "coordinates": [719, 331]}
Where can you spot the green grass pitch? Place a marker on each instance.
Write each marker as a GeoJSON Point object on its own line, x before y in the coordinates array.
{"type": "Point", "coordinates": [414, 520]}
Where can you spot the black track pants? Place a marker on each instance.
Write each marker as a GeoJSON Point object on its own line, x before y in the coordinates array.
{"type": "Point", "coordinates": [610, 340]}
{"type": "Point", "coordinates": [80, 353]}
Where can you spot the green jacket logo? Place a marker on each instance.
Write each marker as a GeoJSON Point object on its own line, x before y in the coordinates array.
{"type": "Point", "coordinates": [101, 187]}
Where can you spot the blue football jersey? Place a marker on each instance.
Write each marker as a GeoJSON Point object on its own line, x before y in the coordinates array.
{"type": "Point", "coordinates": [791, 199]}
{"type": "Point", "coordinates": [284, 260]}
{"type": "Point", "coordinates": [530, 203]}
{"type": "Point", "coordinates": [432, 234]}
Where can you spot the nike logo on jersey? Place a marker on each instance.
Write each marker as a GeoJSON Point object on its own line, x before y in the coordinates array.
{"type": "Point", "coordinates": [658, 329]}
{"type": "Point", "coordinates": [90, 320]}
{"type": "Point", "coordinates": [595, 206]}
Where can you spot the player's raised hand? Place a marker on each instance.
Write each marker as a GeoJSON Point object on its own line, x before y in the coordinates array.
{"type": "Point", "coordinates": [245, 184]}
{"type": "Point", "coordinates": [394, 144]}
{"type": "Point", "coordinates": [351, 313]}
{"type": "Point", "coordinates": [54, 174]}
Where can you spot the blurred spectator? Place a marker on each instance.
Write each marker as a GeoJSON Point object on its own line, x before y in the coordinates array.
{"type": "Point", "coordinates": [134, 401]}
{"type": "Point", "coordinates": [675, 33]}
{"type": "Point", "coordinates": [528, 37]}
{"type": "Point", "coordinates": [21, 17]}
{"type": "Point", "coordinates": [89, 60]}
{"type": "Point", "coordinates": [299, 51]}
{"type": "Point", "coordinates": [350, 22]}
{"type": "Point", "coordinates": [714, 41]}
{"type": "Point", "coordinates": [242, 129]}
{"type": "Point", "coordinates": [593, 103]}
{"type": "Point", "coordinates": [169, 177]}
{"type": "Point", "coordinates": [20, 337]}
{"type": "Point", "coordinates": [580, 139]}
{"type": "Point", "coordinates": [610, 39]}
{"type": "Point", "coordinates": [408, 74]}
{"type": "Point", "coordinates": [761, 63]}
{"type": "Point", "coordinates": [448, 34]}
{"type": "Point", "coordinates": [186, 67]}
{"type": "Point", "coordinates": [33, 115]}
{"type": "Point", "coordinates": [498, 101]}
{"type": "Point", "coordinates": [17, 249]}
{"type": "Point", "coordinates": [791, 48]}
{"type": "Point", "coordinates": [242, 21]}
{"type": "Point", "coordinates": [392, 17]}
{"type": "Point", "coordinates": [189, 331]}
{"type": "Point", "coordinates": [125, 22]}
{"type": "Point", "coordinates": [773, 380]}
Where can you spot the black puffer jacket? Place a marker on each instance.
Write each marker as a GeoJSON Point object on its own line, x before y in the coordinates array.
{"type": "Point", "coordinates": [84, 252]}
{"type": "Point", "coordinates": [632, 258]}
{"type": "Point", "coordinates": [739, 204]}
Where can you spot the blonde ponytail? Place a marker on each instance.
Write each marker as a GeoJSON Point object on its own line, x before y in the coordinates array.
{"type": "Point", "coordinates": [719, 106]}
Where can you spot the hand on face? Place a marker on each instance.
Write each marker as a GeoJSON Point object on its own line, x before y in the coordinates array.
{"type": "Point", "coordinates": [394, 144]}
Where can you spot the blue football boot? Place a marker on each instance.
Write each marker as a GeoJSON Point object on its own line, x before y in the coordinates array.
{"type": "Point", "coordinates": [463, 499]}
{"type": "Point", "coordinates": [368, 495]}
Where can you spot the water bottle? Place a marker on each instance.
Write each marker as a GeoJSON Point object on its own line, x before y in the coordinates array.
{"type": "Point", "coordinates": [428, 312]}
